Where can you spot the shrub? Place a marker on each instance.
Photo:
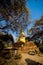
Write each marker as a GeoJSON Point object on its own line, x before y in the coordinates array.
{"type": "Point", "coordinates": [17, 56]}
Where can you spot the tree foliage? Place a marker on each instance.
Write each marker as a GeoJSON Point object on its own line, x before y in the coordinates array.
{"type": "Point", "coordinates": [38, 26]}
{"type": "Point", "coordinates": [15, 13]}
{"type": "Point", "coordinates": [39, 22]}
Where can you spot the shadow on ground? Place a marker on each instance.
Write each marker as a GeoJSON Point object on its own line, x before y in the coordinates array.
{"type": "Point", "coordinates": [31, 62]}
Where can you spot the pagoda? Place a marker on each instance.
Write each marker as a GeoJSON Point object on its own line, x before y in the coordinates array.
{"type": "Point", "coordinates": [22, 36]}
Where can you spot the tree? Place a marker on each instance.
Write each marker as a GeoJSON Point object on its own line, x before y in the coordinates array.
{"type": "Point", "coordinates": [38, 26]}
{"type": "Point", "coordinates": [37, 32]}
{"type": "Point", "coordinates": [39, 22]}
{"type": "Point", "coordinates": [15, 14]}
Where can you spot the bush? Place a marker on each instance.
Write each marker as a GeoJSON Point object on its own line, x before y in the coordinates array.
{"type": "Point", "coordinates": [41, 48]}
{"type": "Point", "coordinates": [6, 55]}
{"type": "Point", "coordinates": [17, 56]}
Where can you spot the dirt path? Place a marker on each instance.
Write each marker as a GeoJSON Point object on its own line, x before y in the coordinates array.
{"type": "Point", "coordinates": [22, 61]}
{"type": "Point", "coordinates": [35, 58]}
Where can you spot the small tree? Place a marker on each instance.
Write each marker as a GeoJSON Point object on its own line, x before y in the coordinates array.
{"type": "Point", "coordinates": [37, 32]}
{"type": "Point", "coordinates": [38, 26]}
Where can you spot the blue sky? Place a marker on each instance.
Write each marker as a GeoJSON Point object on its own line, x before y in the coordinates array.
{"type": "Point", "coordinates": [36, 8]}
